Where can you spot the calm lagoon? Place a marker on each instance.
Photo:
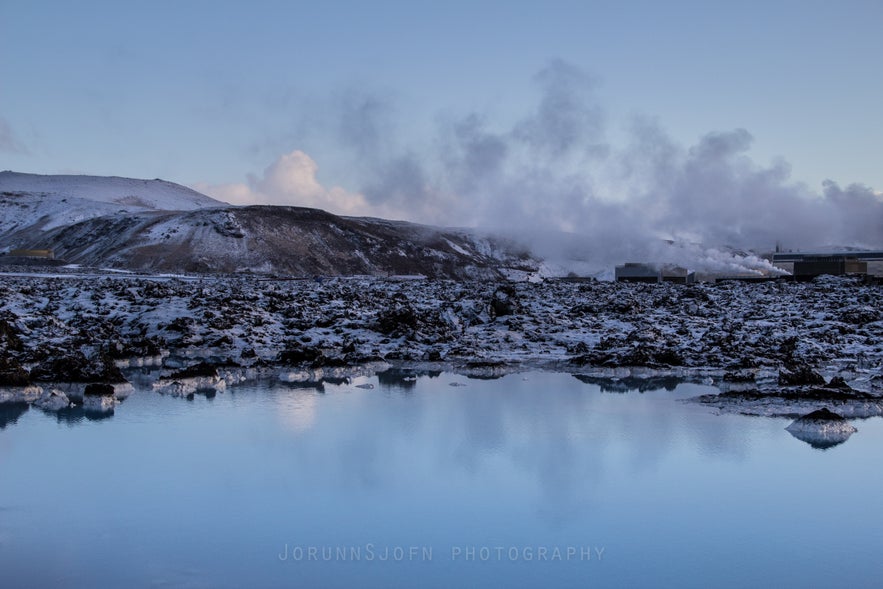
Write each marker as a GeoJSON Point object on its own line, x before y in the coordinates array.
{"type": "Point", "coordinates": [531, 480]}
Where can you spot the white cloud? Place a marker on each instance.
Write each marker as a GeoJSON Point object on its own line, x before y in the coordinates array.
{"type": "Point", "coordinates": [291, 181]}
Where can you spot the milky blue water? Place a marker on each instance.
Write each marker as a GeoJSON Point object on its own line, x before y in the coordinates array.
{"type": "Point", "coordinates": [432, 485]}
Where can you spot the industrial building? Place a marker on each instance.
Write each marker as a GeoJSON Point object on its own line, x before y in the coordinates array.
{"type": "Point", "coordinates": [808, 265]}
{"type": "Point", "coordinates": [678, 275]}
{"type": "Point", "coordinates": [638, 272]}
{"type": "Point", "coordinates": [642, 272]}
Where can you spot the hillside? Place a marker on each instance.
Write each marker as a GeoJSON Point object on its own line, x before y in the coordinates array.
{"type": "Point", "coordinates": [156, 226]}
{"type": "Point", "coordinates": [31, 203]}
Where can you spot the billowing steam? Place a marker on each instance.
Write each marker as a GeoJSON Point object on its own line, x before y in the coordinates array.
{"type": "Point", "coordinates": [552, 178]}
{"type": "Point", "coordinates": [552, 171]}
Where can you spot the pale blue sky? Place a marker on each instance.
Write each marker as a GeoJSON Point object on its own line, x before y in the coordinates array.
{"type": "Point", "coordinates": [209, 92]}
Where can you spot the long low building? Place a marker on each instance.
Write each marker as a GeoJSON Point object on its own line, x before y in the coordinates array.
{"type": "Point", "coordinates": [638, 272]}
{"type": "Point", "coordinates": [643, 272]}
{"type": "Point", "coordinates": [810, 264]}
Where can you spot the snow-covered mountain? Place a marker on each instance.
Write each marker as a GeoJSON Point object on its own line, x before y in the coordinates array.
{"type": "Point", "coordinates": [154, 225]}
{"type": "Point", "coordinates": [128, 193]}
{"type": "Point", "coordinates": [33, 202]}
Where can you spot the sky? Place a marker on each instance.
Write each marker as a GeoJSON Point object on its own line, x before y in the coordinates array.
{"type": "Point", "coordinates": [702, 120]}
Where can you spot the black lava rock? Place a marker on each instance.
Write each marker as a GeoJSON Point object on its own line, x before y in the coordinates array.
{"type": "Point", "coordinates": [799, 375]}
{"type": "Point", "coordinates": [12, 374]}
{"type": "Point", "coordinates": [74, 367]}
{"type": "Point", "coordinates": [504, 301]}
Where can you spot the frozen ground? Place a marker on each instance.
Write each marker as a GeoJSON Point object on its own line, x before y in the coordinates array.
{"type": "Point", "coordinates": [776, 348]}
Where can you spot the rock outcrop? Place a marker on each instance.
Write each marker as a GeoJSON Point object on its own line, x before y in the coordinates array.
{"type": "Point", "coordinates": [821, 429]}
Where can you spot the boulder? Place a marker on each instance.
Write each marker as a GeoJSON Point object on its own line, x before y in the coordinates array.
{"type": "Point", "coordinates": [12, 374]}
{"type": "Point", "coordinates": [9, 336]}
{"type": "Point", "coordinates": [503, 301]}
{"type": "Point", "coordinates": [799, 375]}
{"type": "Point", "coordinates": [397, 321]}
{"type": "Point", "coordinates": [98, 397]}
{"type": "Point", "coordinates": [52, 400]}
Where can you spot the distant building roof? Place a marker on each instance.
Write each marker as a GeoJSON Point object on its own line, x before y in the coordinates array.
{"type": "Point", "coordinates": [803, 256]}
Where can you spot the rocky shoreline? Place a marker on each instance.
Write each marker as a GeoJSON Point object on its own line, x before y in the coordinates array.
{"type": "Point", "coordinates": [773, 348]}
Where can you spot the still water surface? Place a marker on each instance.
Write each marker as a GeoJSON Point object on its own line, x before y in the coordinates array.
{"type": "Point", "coordinates": [532, 480]}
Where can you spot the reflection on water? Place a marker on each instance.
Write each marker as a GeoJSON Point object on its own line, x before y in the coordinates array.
{"type": "Point", "coordinates": [820, 440]}
{"type": "Point", "coordinates": [317, 385]}
{"type": "Point", "coordinates": [297, 411]}
{"type": "Point", "coordinates": [404, 379]}
{"type": "Point", "coordinates": [210, 492]}
{"type": "Point", "coordinates": [631, 383]}
{"type": "Point", "coordinates": [10, 412]}
{"type": "Point", "coordinates": [77, 414]}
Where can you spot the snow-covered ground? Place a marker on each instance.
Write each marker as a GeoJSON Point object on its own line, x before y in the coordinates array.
{"type": "Point", "coordinates": [773, 347]}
